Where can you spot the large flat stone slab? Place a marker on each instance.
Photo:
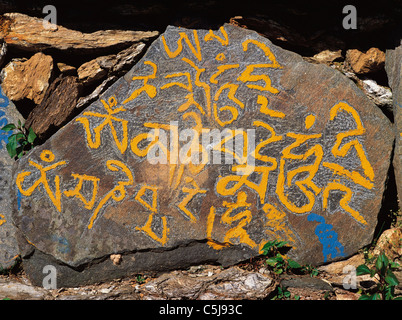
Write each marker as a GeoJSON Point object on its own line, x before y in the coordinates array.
{"type": "Point", "coordinates": [291, 151]}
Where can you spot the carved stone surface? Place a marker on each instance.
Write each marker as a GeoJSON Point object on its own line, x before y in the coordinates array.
{"type": "Point", "coordinates": [287, 150]}
{"type": "Point", "coordinates": [8, 243]}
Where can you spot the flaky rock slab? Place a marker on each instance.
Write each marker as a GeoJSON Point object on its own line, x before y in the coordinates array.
{"type": "Point", "coordinates": [28, 33]}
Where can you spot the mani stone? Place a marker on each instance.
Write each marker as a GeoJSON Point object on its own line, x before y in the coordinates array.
{"type": "Point", "coordinates": [8, 243]}
{"type": "Point", "coordinates": [213, 144]}
{"type": "Point", "coordinates": [393, 67]}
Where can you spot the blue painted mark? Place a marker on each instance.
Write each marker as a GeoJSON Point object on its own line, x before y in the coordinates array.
{"type": "Point", "coordinates": [19, 197]}
{"type": "Point", "coordinates": [63, 245]}
{"type": "Point", "coordinates": [3, 134]}
{"type": "Point", "coordinates": [328, 237]}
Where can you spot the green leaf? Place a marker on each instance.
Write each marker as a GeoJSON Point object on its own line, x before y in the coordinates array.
{"type": "Point", "coordinates": [12, 146]}
{"type": "Point", "coordinates": [362, 269]}
{"type": "Point", "coordinates": [382, 263]}
{"type": "Point", "coordinates": [314, 273]}
{"type": "Point", "coordinates": [376, 296]}
{"type": "Point", "coordinates": [11, 149]}
{"type": "Point", "coordinates": [391, 279]}
{"type": "Point", "coordinates": [13, 138]}
{"type": "Point", "coordinates": [8, 127]}
{"type": "Point", "coordinates": [280, 244]}
{"type": "Point", "coordinates": [19, 137]}
{"type": "Point", "coordinates": [31, 136]}
{"type": "Point", "coordinates": [379, 263]}
{"type": "Point", "coordinates": [398, 298]}
{"type": "Point", "coordinates": [389, 292]}
{"type": "Point", "coordinates": [267, 247]}
{"type": "Point", "coordinates": [293, 264]}
{"type": "Point", "coordinates": [272, 261]}
{"type": "Point", "coordinates": [279, 258]}
{"type": "Point", "coordinates": [384, 259]}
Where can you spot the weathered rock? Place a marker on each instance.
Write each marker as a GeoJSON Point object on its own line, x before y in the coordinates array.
{"type": "Point", "coordinates": [308, 166]}
{"type": "Point", "coordinates": [57, 107]}
{"type": "Point", "coordinates": [27, 78]}
{"type": "Point", "coordinates": [27, 33]}
{"type": "Point", "coordinates": [380, 95]}
{"type": "Point", "coordinates": [232, 283]}
{"type": "Point", "coordinates": [64, 97]}
{"type": "Point", "coordinates": [393, 63]}
{"type": "Point", "coordinates": [116, 258]}
{"type": "Point", "coordinates": [111, 65]}
{"type": "Point", "coordinates": [3, 51]}
{"type": "Point", "coordinates": [390, 243]}
{"type": "Point", "coordinates": [336, 268]}
{"type": "Point", "coordinates": [66, 69]}
{"type": "Point", "coordinates": [94, 95]}
{"type": "Point", "coordinates": [364, 63]}
{"type": "Point", "coordinates": [91, 71]}
{"type": "Point", "coordinates": [308, 287]}
{"type": "Point", "coordinates": [125, 59]}
{"type": "Point", "coordinates": [15, 290]}
{"type": "Point", "coordinates": [328, 56]}
{"type": "Point", "coordinates": [8, 243]}
{"type": "Point", "coordinates": [337, 272]}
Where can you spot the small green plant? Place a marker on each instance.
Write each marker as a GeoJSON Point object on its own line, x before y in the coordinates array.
{"type": "Point", "coordinates": [327, 295]}
{"type": "Point", "coordinates": [284, 294]}
{"type": "Point", "coordinates": [140, 279]}
{"type": "Point", "coordinates": [382, 269]}
{"type": "Point", "coordinates": [20, 142]}
{"type": "Point", "coordinates": [309, 269]}
{"type": "Point", "coordinates": [276, 260]}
